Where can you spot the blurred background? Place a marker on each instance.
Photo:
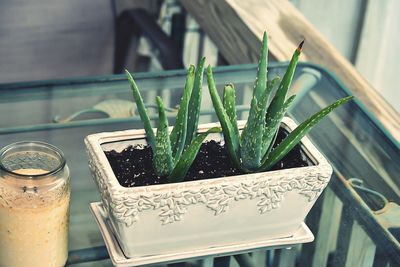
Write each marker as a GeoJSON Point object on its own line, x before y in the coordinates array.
{"type": "Point", "coordinates": [52, 39]}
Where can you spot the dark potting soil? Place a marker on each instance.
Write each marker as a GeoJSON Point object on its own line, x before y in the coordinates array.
{"type": "Point", "coordinates": [133, 166]}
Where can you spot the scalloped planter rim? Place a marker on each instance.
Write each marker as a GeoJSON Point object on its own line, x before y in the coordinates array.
{"type": "Point", "coordinates": [159, 219]}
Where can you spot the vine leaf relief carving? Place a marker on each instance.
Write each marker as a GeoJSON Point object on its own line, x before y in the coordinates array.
{"type": "Point", "coordinates": [173, 206]}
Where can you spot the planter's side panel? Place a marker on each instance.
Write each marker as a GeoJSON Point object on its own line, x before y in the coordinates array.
{"type": "Point", "coordinates": [200, 229]}
{"type": "Point", "coordinates": [259, 208]}
{"type": "Point", "coordinates": [267, 190]}
{"type": "Point", "coordinates": [97, 169]}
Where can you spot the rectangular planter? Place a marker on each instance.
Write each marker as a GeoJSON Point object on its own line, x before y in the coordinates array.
{"type": "Point", "coordinates": [168, 218]}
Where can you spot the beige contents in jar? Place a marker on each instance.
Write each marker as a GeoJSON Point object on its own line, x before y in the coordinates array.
{"type": "Point", "coordinates": [33, 221]}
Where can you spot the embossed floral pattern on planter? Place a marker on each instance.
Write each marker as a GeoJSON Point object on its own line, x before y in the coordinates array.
{"type": "Point", "coordinates": [173, 206]}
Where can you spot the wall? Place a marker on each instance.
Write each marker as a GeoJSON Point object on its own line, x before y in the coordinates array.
{"type": "Point", "coordinates": [48, 39]}
{"type": "Point", "coordinates": [366, 32]}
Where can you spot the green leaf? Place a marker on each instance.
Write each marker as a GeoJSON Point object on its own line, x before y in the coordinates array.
{"type": "Point", "coordinates": [231, 139]}
{"type": "Point", "coordinates": [252, 133]}
{"type": "Point", "coordinates": [272, 84]}
{"type": "Point", "coordinates": [230, 106]}
{"type": "Point", "coordinates": [142, 111]}
{"type": "Point", "coordinates": [261, 79]}
{"type": "Point", "coordinates": [162, 161]}
{"type": "Point", "coordinates": [178, 134]}
{"type": "Point", "coordinates": [188, 156]}
{"type": "Point", "coordinates": [269, 89]}
{"type": "Point", "coordinates": [272, 127]}
{"type": "Point", "coordinates": [295, 136]}
{"type": "Point", "coordinates": [280, 95]}
{"type": "Point", "coordinates": [195, 103]}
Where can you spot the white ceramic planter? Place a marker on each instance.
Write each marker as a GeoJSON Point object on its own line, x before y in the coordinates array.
{"type": "Point", "coordinates": [168, 218]}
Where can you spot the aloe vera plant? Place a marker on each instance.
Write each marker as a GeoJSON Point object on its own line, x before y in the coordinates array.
{"type": "Point", "coordinates": [252, 150]}
{"type": "Point", "coordinates": [175, 151]}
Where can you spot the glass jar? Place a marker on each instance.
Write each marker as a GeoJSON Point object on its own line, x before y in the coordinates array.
{"type": "Point", "coordinates": [34, 205]}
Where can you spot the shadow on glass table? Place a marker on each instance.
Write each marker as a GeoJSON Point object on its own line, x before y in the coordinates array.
{"type": "Point", "coordinates": [353, 220]}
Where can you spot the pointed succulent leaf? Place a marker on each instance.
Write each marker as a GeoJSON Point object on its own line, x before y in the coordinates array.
{"type": "Point", "coordinates": [195, 103]}
{"type": "Point", "coordinates": [231, 140]}
{"type": "Point", "coordinates": [261, 79]}
{"type": "Point", "coordinates": [185, 161]}
{"type": "Point", "coordinates": [252, 133]}
{"type": "Point", "coordinates": [295, 136]}
{"type": "Point", "coordinates": [230, 106]}
{"type": "Point", "coordinates": [271, 84]}
{"type": "Point", "coordinates": [272, 127]}
{"type": "Point", "coordinates": [178, 133]}
{"type": "Point", "coordinates": [251, 142]}
{"type": "Point", "coordinates": [284, 86]}
{"type": "Point", "coordinates": [162, 161]}
{"type": "Point", "coordinates": [142, 111]}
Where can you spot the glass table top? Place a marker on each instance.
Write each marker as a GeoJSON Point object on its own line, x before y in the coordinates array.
{"type": "Point", "coordinates": [64, 112]}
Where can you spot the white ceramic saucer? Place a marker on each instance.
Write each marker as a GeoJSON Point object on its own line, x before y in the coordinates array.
{"type": "Point", "coordinates": [303, 235]}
